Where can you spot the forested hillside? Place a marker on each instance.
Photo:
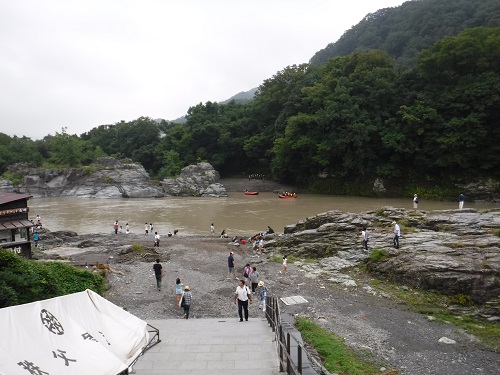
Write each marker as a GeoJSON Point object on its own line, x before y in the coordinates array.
{"type": "Point", "coordinates": [415, 25]}
{"type": "Point", "coordinates": [332, 128]}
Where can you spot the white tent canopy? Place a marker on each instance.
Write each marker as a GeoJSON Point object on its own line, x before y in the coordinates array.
{"type": "Point", "coordinates": [78, 334]}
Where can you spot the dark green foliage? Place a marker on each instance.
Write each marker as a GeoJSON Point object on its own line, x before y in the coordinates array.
{"type": "Point", "coordinates": [24, 281]}
{"type": "Point", "coordinates": [415, 25]}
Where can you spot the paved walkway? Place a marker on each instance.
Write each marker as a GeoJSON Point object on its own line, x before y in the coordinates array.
{"type": "Point", "coordinates": [211, 347]}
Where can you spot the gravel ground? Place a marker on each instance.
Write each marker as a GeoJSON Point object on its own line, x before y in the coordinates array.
{"type": "Point", "coordinates": [369, 322]}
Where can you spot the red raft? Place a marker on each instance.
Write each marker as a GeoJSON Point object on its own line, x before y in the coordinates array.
{"type": "Point", "coordinates": [251, 192]}
{"type": "Point", "coordinates": [287, 196]}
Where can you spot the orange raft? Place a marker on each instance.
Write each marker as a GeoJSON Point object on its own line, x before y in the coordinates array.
{"type": "Point", "coordinates": [287, 196]}
{"type": "Point", "coordinates": [251, 192]}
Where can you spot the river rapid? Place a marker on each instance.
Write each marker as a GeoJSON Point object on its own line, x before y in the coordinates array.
{"type": "Point", "coordinates": [239, 214]}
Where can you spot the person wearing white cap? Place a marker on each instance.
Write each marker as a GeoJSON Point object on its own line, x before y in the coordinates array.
{"type": "Point", "coordinates": [262, 293]}
{"type": "Point", "coordinates": [397, 234]}
{"type": "Point", "coordinates": [187, 299]}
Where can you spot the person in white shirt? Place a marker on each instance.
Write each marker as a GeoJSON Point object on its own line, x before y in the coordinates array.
{"type": "Point", "coordinates": [397, 234]}
{"type": "Point", "coordinates": [364, 237]}
{"type": "Point", "coordinates": [157, 240]}
{"type": "Point", "coordinates": [415, 201]}
{"type": "Point", "coordinates": [242, 295]}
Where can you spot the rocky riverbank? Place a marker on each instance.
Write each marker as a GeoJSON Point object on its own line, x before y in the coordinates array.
{"type": "Point", "coordinates": [112, 178]}
{"type": "Point", "coordinates": [455, 252]}
{"type": "Point", "coordinates": [328, 270]}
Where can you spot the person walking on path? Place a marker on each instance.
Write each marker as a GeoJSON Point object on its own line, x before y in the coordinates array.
{"type": "Point", "coordinates": [262, 293]}
{"type": "Point", "coordinates": [415, 201]}
{"type": "Point", "coordinates": [247, 273]}
{"type": "Point", "coordinates": [230, 266]}
{"type": "Point", "coordinates": [158, 269]}
{"type": "Point", "coordinates": [461, 200]}
{"type": "Point", "coordinates": [254, 279]}
{"type": "Point", "coordinates": [187, 299]}
{"type": "Point", "coordinates": [212, 229]}
{"type": "Point", "coordinates": [178, 291]}
{"type": "Point", "coordinates": [364, 237]}
{"type": "Point", "coordinates": [157, 240]}
{"type": "Point", "coordinates": [397, 234]}
{"type": "Point", "coordinates": [242, 295]}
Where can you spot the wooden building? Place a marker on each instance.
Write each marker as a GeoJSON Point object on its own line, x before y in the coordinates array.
{"type": "Point", "coordinates": [14, 224]}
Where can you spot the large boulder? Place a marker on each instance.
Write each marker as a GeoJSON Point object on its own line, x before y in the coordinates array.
{"type": "Point", "coordinates": [105, 178]}
{"type": "Point", "coordinates": [200, 180]}
{"type": "Point", "coordinates": [456, 252]}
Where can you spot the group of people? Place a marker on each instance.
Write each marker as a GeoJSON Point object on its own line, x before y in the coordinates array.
{"type": "Point", "coordinates": [119, 229]}
{"type": "Point", "coordinates": [461, 200]}
{"type": "Point", "coordinates": [365, 236]}
{"type": "Point", "coordinates": [148, 229]}
{"type": "Point", "coordinates": [256, 176]}
{"type": "Point", "coordinates": [183, 296]}
{"type": "Point", "coordinates": [289, 194]}
{"type": "Point", "coordinates": [249, 285]}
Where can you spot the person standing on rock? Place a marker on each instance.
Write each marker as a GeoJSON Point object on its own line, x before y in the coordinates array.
{"type": "Point", "coordinates": [461, 200]}
{"type": "Point", "coordinates": [230, 266]}
{"type": "Point", "coordinates": [242, 295]}
{"type": "Point", "coordinates": [415, 201]}
{"type": "Point", "coordinates": [146, 228]}
{"type": "Point", "coordinates": [36, 237]}
{"type": "Point", "coordinates": [127, 229]}
{"type": "Point", "coordinates": [158, 270]}
{"type": "Point", "coordinates": [364, 237]}
{"type": "Point", "coordinates": [115, 226]}
{"type": "Point", "coordinates": [212, 229]}
{"type": "Point", "coordinates": [285, 263]}
{"type": "Point", "coordinates": [397, 234]}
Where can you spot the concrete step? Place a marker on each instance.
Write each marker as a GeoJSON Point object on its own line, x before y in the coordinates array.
{"type": "Point", "coordinates": [211, 347]}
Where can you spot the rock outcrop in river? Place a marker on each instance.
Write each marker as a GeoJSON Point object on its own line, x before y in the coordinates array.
{"type": "Point", "coordinates": [106, 178]}
{"type": "Point", "coordinates": [200, 180]}
{"type": "Point", "coordinates": [112, 178]}
{"type": "Point", "coordinates": [456, 252]}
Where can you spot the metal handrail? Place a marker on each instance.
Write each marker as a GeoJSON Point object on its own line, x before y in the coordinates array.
{"type": "Point", "coordinates": [155, 332]}
{"type": "Point", "coordinates": [286, 361]}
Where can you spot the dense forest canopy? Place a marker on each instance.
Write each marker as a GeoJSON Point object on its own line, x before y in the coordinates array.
{"type": "Point", "coordinates": [415, 25]}
{"type": "Point", "coordinates": [334, 127]}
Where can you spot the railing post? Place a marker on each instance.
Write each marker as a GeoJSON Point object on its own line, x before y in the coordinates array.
{"type": "Point", "coordinates": [280, 343]}
{"type": "Point", "coordinates": [299, 358]}
{"type": "Point", "coordinates": [288, 369]}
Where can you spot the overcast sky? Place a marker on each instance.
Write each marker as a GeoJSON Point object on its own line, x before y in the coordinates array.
{"type": "Point", "coordinates": [83, 63]}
